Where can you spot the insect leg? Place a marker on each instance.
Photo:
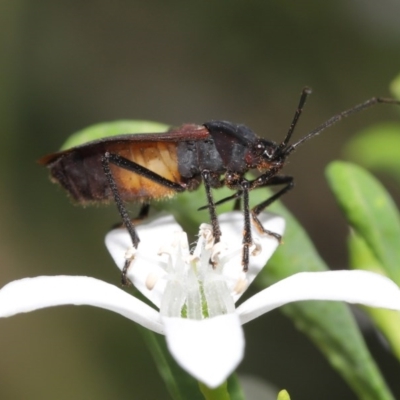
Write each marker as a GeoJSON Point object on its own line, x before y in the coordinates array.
{"type": "Point", "coordinates": [236, 196]}
{"type": "Point", "coordinates": [129, 165]}
{"type": "Point", "coordinates": [124, 215]}
{"type": "Point", "coordinates": [247, 237]}
{"type": "Point", "coordinates": [138, 169]}
{"type": "Point", "coordinates": [207, 179]}
{"type": "Point", "coordinates": [118, 200]}
{"type": "Point", "coordinates": [246, 187]}
{"type": "Point", "coordinates": [144, 211]}
{"type": "Point", "coordinates": [276, 180]}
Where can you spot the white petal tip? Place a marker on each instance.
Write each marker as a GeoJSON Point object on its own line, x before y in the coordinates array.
{"type": "Point", "coordinates": [209, 349]}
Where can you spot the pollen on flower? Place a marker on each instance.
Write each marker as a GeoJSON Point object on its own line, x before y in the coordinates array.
{"type": "Point", "coordinates": [151, 280]}
{"type": "Point", "coordinates": [217, 249]}
{"type": "Point", "coordinates": [241, 284]}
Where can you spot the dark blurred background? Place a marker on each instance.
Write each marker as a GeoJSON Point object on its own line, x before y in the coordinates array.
{"type": "Point", "coordinates": [66, 65]}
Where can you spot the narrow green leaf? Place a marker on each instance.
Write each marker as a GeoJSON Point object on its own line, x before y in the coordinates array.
{"type": "Point", "coordinates": [234, 388]}
{"type": "Point", "coordinates": [330, 325]}
{"type": "Point", "coordinates": [387, 321]}
{"type": "Point", "coordinates": [370, 210]}
{"type": "Point", "coordinates": [113, 128]}
{"type": "Point", "coordinates": [377, 148]}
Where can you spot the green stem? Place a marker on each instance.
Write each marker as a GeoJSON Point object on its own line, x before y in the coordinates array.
{"type": "Point", "coordinates": [219, 393]}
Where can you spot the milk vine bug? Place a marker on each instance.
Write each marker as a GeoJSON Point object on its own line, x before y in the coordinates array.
{"type": "Point", "coordinates": [145, 167]}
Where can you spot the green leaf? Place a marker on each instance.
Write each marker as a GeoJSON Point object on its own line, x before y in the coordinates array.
{"type": "Point", "coordinates": [234, 388]}
{"type": "Point", "coordinates": [330, 325]}
{"type": "Point", "coordinates": [387, 321]}
{"type": "Point", "coordinates": [377, 148]}
{"type": "Point", "coordinates": [113, 128]}
{"type": "Point", "coordinates": [371, 212]}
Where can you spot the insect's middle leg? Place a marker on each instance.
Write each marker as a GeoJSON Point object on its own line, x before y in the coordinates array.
{"type": "Point", "coordinates": [247, 236]}
{"type": "Point", "coordinates": [210, 181]}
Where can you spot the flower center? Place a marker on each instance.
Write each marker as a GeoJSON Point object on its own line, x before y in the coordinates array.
{"type": "Point", "coordinates": [196, 287]}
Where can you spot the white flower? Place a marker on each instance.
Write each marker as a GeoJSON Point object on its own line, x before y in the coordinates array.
{"type": "Point", "coordinates": [196, 299]}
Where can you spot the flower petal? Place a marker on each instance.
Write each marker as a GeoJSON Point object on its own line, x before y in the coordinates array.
{"type": "Point", "coordinates": [232, 231]}
{"type": "Point", "coordinates": [361, 287]}
{"type": "Point", "coordinates": [31, 294]}
{"type": "Point", "coordinates": [209, 349]}
{"type": "Point", "coordinates": [147, 271]}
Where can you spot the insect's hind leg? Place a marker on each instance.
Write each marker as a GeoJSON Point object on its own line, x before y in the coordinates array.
{"type": "Point", "coordinates": [124, 163]}
{"type": "Point", "coordinates": [124, 215]}
{"type": "Point", "coordinates": [118, 200]}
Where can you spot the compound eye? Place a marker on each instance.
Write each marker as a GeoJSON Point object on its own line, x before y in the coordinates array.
{"type": "Point", "coordinates": [260, 148]}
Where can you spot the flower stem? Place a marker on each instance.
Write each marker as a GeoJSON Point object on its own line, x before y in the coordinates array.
{"type": "Point", "coordinates": [219, 393]}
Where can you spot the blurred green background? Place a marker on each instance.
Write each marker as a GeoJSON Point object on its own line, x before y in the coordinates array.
{"type": "Point", "coordinates": [66, 65]}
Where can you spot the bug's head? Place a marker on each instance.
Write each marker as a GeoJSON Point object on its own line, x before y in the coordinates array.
{"type": "Point", "coordinates": [264, 154]}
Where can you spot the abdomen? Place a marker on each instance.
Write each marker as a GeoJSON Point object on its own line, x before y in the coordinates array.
{"type": "Point", "coordinates": [80, 170]}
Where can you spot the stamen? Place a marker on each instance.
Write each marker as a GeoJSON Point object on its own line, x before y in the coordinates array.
{"type": "Point", "coordinates": [165, 249]}
{"type": "Point", "coordinates": [151, 280]}
{"type": "Point", "coordinates": [241, 284]}
{"type": "Point", "coordinates": [183, 240]}
{"type": "Point", "coordinates": [192, 258]}
{"type": "Point", "coordinates": [216, 251]}
{"type": "Point", "coordinates": [205, 231]}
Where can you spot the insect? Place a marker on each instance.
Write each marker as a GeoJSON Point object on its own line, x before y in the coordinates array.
{"type": "Point", "coordinates": [145, 167]}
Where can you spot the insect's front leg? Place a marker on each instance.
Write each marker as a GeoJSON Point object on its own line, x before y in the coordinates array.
{"type": "Point", "coordinates": [264, 181]}
{"type": "Point", "coordinates": [236, 181]}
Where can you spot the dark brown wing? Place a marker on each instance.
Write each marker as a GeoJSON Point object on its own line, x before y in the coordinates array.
{"type": "Point", "coordinates": [79, 169]}
{"type": "Point", "coordinates": [187, 132]}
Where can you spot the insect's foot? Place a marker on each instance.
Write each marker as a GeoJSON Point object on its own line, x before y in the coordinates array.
{"type": "Point", "coordinates": [129, 257]}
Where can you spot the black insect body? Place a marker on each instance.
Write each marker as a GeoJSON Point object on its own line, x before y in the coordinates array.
{"type": "Point", "coordinates": [145, 167]}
